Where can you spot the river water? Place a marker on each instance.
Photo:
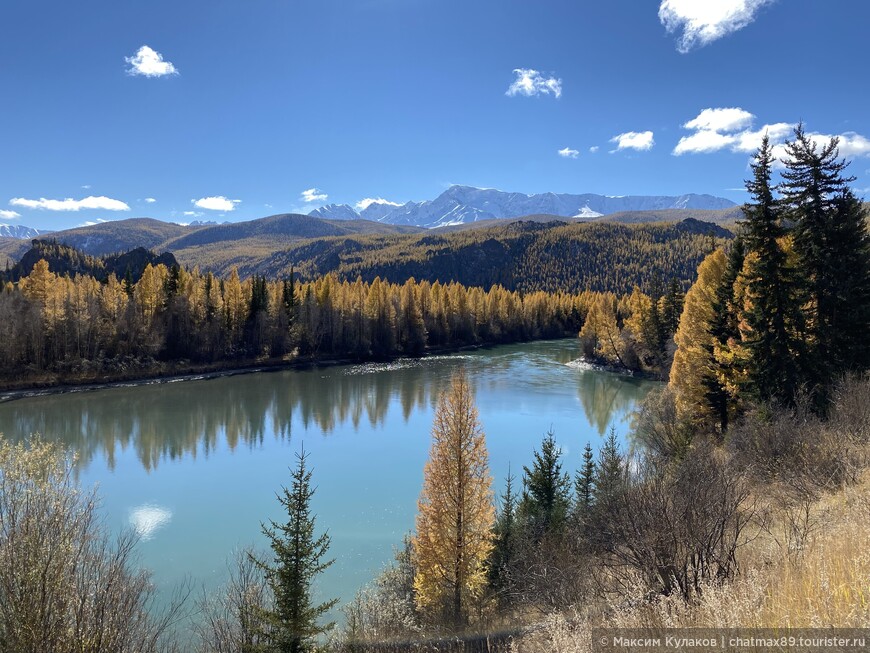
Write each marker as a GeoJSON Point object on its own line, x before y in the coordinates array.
{"type": "Point", "coordinates": [194, 466]}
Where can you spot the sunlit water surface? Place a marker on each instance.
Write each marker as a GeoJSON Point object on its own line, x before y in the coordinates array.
{"type": "Point", "coordinates": [193, 467]}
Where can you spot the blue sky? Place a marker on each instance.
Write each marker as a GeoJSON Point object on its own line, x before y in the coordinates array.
{"type": "Point", "coordinates": [235, 108]}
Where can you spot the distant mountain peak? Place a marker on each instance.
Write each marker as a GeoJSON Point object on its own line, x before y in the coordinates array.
{"type": "Point", "coordinates": [20, 231]}
{"type": "Point", "coordinates": [461, 204]}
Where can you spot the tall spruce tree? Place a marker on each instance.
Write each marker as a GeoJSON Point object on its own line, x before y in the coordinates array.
{"type": "Point", "coordinates": [298, 557]}
{"type": "Point", "coordinates": [672, 306]}
{"type": "Point", "coordinates": [504, 535]}
{"type": "Point", "coordinates": [608, 490]}
{"type": "Point", "coordinates": [584, 487]}
{"type": "Point", "coordinates": [773, 320]}
{"type": "Point", "coordinates": [829, 234]}
{"type": "Point", "coordinates": [546, 490]}
{"type": "Point", "coordinates": [850, 244]}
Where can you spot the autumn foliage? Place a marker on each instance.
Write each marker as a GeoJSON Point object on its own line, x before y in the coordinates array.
{"type": "Point", "coordinates": [456, 513]}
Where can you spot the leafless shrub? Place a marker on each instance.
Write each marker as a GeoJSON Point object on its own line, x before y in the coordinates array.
{"type": "Point", "coordinates": [658, 427]}
{"type": "Point", "coordinates": [680, 525]}
{"type": "Point", "coordinates": [551, 574]}
{"type": "Point", "coordinates": [65, 584]}
{"type": "Point", "coordinates": [383, 611]}
{"type": "Point", "coordinates": [230, 621]}
{"type": "Point", "coordinates": [798, 450]}
{"type": "Point", "coordinates": [850, 413]}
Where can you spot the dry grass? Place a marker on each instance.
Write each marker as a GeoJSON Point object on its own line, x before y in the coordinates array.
{"type": "Point", "coordinates": [820, 578]}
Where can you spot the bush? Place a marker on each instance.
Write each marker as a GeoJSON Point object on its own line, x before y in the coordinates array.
{"type": "Point", "coordinates": [65, 585]}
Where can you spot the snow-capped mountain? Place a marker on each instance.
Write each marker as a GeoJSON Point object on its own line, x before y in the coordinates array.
{"type": "Point", "coordinates": [464, 204]}
{"type": "Point", "coordinates": [336, 212]}
{"type": "Point", "coordinates": [19, 231]}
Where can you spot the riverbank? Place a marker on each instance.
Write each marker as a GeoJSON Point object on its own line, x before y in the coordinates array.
{"type": "Point", "coordinates": [584, 363]}
{"type": "Point", "coordinates": [164, 372]}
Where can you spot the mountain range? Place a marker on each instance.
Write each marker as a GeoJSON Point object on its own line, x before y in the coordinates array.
{"type": "Point", "coordinates": [20, 231]}
{"type": "Point", "coordinates": [465, 204]}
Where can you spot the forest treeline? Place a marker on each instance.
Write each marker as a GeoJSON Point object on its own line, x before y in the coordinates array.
{"type": "Point", "coordinates": [62, 327]}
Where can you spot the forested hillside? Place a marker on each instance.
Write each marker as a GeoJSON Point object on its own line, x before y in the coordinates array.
{"type": "Point", "coordinates": [542, 252]}
{"type": "Point", "coordinates": [66, 260]}
{"type": "Point", "coordinates": [724, 217]}
{"type": "Point", "coordinates": [523, 256]}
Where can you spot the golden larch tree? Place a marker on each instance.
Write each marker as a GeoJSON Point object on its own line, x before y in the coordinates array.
{"type": "Point", "coordinates": [694, 361]}
{"type": "Point", "coordinates": [455, 512]}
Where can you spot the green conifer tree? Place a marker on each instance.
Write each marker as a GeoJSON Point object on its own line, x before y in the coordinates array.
{"type": "Point", "coordinates": [584, 486]}
{"type": "Point", "coordinates": [298, 557]}
{"type": "Point", "coordinates": [673, 306]}
{"type": "Point", "coordinates": [609, 485]}
{"type": "Point", "coordinates": [504, 535]}
{"type": "Point", "coordinates": [773, 319]}
{"type": "Point", "coordinates": [546, 491]}
{"type": "Point", "coordinates": [829, 233]}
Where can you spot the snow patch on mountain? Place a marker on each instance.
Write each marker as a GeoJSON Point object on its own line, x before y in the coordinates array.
{"type": "Point", "coordinates": [19, 231]}
{"type": "Point", "coordinates": [586, 212]}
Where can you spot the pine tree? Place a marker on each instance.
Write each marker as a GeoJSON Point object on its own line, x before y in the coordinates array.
{"type": "Point", "coordinates": [298, 557]}
{"type": "Point", "coordinates": [609, 484]}
{"type": "Point", "coordinates": [546, 490]}
{"type": "Point", "coordinates": [850, 245]}
{"type": "Point", "coordinates": [829, 233]}
{"type": "Point", "coordinates": [584, 486]}
{"type": "Point", "coordinates": [504, 534]}
{"type": "Point", "coordinates": [772, 316]}
{"type": "Point", "coordinates": [455, 512]}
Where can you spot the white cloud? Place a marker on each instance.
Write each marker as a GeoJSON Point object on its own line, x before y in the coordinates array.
{"type": "Point", "coordinates": [99, 203]}
{"type": "Point", "coordinates": [86, 187]}
{"type": "Point", "coordinates": [314, 195]}
{"type": "Point", "coordinates": [568, 153]}
{"type": "Point", "coordinates": [218, 203]}
{"type": "Point", "coordinates": [593, 149]}
{"type": "Point", "coordinates": [749, 141]}
{"type": "Point", "coordinates": [634, 141]}
{"type": "Point", "coordinates": [9, 215]}
{"type": "Point", "coordinates": [719, 129]}
{"type": "Point", "coordinates": [530, 82]}
{"type": "Point", "coordinates": [149, 63]}
{"type": "Point", "coordinates": [194, 214]}
{"type": "Point", "coordinates": [362, 205]}
{"type": "Point", "coordinates": [705, 21]}
{"type": "Point", "coordinates": [91, 223]}
{"type": "Point", "coordinates": [704, 141]}
{"type": "Point", "coordinates": [721, 120]}
{"type": "Point", "coordinates": [728, 128]}
{"type": "Point", "coordinates": [150, 200]}
{"type": "Point", "coordinates": [851, 144]}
